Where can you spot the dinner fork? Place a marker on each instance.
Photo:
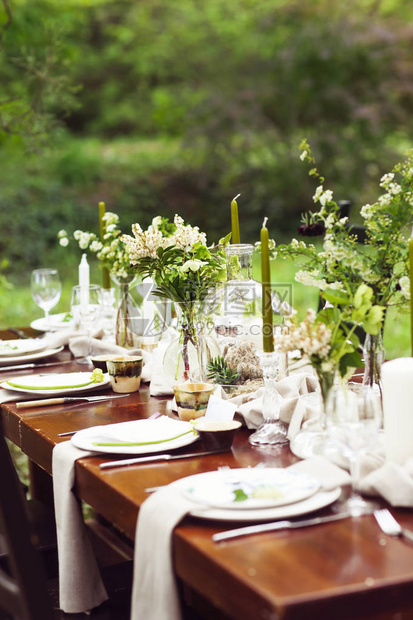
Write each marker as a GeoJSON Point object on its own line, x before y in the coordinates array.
{"type": "Point", "coordinates": [390, 526]}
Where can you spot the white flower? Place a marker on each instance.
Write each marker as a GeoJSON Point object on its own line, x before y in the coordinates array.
{"type": "Point", "coordinates": [367, 211]}
{"type": "Point", "coordinates": [318, 193]}
{"type": "Point", "coordinates": [110, 218]}
{"type": "Point", "coordinates": [64, 242]}
{"type": "Point", "coordinates": [394, 189]}
{"type": "Point", "coordinates": [327, 196]}
{"type": "Point", "coordinates": [386, 179]}
{"type": "Point", "coordinates": [303, 155]}
{"type": "Point", "coordinates": [384, 200]}
{"type": "Point", "coordinates": [61, 234]}
{"type": "Point", "coordinates": [95, 246]}
{"type": "Point", "coordinates": [193, 265]}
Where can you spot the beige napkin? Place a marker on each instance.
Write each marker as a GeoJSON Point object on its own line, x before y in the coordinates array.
{"type": "Point", "coordinates": [154, 588]}
{"type": "Point", "coordinates": [386, 479]}
{"type": "Point", "coordinates": [80, 584]}
{"type": "Point", "coordinates": [154, 594]}
{"type": "Point", "coordinates": [293, 409]}
{"type": "Point", "coordinates": [10, 396]}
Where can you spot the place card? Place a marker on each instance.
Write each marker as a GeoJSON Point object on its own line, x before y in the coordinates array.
{"type": "Point", "coordinates": [219, 409]}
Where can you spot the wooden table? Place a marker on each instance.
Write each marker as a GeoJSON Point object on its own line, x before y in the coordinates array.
{"type": "Point", "coordinates": [342, 570]}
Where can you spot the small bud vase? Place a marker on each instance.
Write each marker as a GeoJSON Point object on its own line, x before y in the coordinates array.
{"type": "Point", "coordinates": [373, 355]}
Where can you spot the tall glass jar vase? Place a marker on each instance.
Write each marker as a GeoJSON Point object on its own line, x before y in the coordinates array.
{"type": "Point", "coordinates": [234, 307]}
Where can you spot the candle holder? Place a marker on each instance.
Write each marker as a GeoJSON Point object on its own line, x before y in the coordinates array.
{"type": "Point", "coordinates": [272, 431]}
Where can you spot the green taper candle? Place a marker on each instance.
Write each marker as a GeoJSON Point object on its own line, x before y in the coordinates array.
{"type": "Point", "coordinates": [234, 220]}
{"type": "Point", "coordinates": [267, 327]}
{"type": "Point", "coordinates": [102, 227]}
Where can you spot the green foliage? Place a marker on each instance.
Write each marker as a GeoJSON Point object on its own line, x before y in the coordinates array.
{"type": "Point", "coordinates": [220, 372]}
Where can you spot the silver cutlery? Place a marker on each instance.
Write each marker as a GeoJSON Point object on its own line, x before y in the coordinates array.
{"type": "Point", "coordinates": [156, 457]}
{"type": "Point", "coordinates": [32, 365]}
{"type": "Point", "coordinates": [18, 332]}
{"type": "Point", "coordinates": [390, 526]}
{"type": "Point", "coordinates": [66, 399]}
{"type": "Point", "coordinates": [276, 525]}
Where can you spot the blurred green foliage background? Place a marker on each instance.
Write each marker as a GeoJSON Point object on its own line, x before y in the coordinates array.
{"type": "Point", "coordinates": [164, 107]}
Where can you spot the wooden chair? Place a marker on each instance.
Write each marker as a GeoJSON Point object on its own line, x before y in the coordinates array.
{"type": "Point", "coordinates": [25, 592]}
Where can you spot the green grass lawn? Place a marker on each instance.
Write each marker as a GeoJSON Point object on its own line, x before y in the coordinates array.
{"type": "Point", "coordinates": [17, 309]}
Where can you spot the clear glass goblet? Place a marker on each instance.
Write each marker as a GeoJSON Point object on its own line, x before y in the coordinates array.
{"type": "Point", "coordinates": [46, 289]}
{"type": "Point", "coordinates": [353, 418]}
{"type": "Point", "coordinates": [86, 306]}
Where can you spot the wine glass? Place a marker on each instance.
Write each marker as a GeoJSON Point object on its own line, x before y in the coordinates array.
{"type": "Point", "coordinates": [86, 305]}
{"type": "Point", "coordinates": [353, 419]}
{"type": "Point", "coordinates": [46, 288]}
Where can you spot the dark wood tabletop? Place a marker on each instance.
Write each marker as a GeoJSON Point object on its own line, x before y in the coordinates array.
{"type": "Point", "coordinates": [340, 570]}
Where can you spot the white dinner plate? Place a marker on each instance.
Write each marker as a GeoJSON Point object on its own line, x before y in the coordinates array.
{"type": "Point", "coordinates": [23, 359]}
{"type": "Point", "coordinates": [159, 435]}
{"type": "Point", "coordinates": [250, 488]}
{"type": "Point", "coordinates": [52, 384]}
{"type": "Point", "coordinates": [315, 502]}
{"type": "Point", "coordinates": [17, 348]}
{"type": "Point", "coordinates": [56, 322]}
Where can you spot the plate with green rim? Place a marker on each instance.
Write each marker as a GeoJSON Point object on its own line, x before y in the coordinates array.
{"type": "Point", "coordinates": [53, 384]}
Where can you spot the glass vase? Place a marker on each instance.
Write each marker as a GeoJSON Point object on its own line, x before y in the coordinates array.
{"type": "Point", "coordinates": [373, 355]}
{"type": "Point", "coordinates": [125, 336]}
{"type": "Point", "coordinates": [188, 354]}
{"type": "Point", "coordinates": [234, 307]}
{"type": "Point", "coordinates": [312, 439]}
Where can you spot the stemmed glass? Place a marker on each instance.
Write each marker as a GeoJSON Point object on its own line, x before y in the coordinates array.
{"type": "Point", "coordinates": [86, 305]}
{"type": "Point", "coordinates": [46, 289]}
{"type": "Point", "coordinates": [353, 419]}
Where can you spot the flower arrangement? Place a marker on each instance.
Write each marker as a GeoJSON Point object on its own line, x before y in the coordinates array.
{"type": "Point", "coordinates": [183, 267]}
{"type": "Point", "coordinates": [112, 251]}
{"type": "Point", "coordinates": [176, 256]}
{"type": "Point", "coordinates": [328, 339]}
{"type": "Point", "coordinates": [343, 264]}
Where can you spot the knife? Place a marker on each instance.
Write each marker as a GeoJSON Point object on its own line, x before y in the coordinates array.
{"type": "Point", "coordinates": [64, 400]}
{"type": "Point", "coordinates": [276, 525]}
{"type": "Point", "coordinates": [23, 366]}
{"type": "Point", "coordinates": [156, 457]}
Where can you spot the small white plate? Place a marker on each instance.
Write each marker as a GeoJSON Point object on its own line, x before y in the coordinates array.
{"type": "Point", "coordinates": [52, 384]}
{"type": "Point", "coordinates": [17, 348]}
{"type": "Point", "coordinates": [250, 488]}
{"type": "Point", "coordinates": [56, 322]}
{"type": "Point", "coordinates": [137, 431]}
{"type": "Point", "coordinates": [23, 359]}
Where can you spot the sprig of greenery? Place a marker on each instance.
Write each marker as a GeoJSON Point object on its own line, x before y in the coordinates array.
{"type": "Point", "coordinates": [219, 371]}
{"type": "Point", "coordinates": [343, 264]}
